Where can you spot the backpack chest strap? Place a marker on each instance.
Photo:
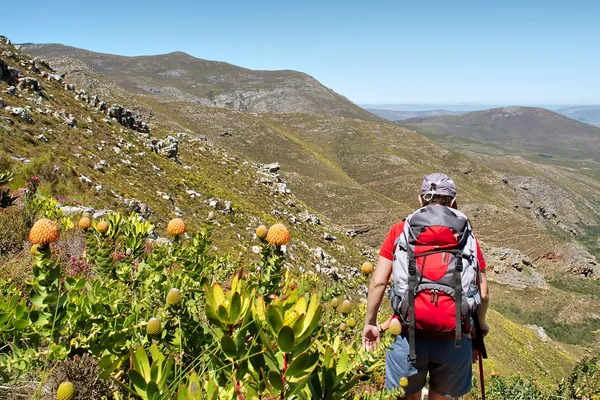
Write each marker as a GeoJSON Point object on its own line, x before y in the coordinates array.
{"type": "Point", "coordinates": [458, 297]}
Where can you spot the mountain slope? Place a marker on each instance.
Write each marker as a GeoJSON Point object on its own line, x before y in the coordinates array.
{"type": "Point", "coordinates": [527, 128]}
{"type": "Point", "coordinates": [210, 83]}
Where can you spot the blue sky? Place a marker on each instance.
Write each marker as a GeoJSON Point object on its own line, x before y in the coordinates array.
{"type": "Point", "coordinates": [490, 52]}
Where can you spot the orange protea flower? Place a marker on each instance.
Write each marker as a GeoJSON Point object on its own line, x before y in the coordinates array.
{"type": "Point", "coordinates": [176, 227]}
{"type": "Point", "coordinates": [102, 226]}
{"type": "Point", "coordinates": [278, 235]}
{"type": "Point", "coordinates": [43, 231]}
{"type": "Point", "coordinates": [261, 232]}
{"type": "Point", "coordinates": [367, 268]}
{"type": "Point", "coordinates": [84, 223]}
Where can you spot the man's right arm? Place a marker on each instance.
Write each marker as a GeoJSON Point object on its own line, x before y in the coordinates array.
{"type": "Point", "coordinates": [377, 287]}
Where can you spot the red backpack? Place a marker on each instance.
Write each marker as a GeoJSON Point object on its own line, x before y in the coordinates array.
{"type": "Point", "coordinates": [435, 270]}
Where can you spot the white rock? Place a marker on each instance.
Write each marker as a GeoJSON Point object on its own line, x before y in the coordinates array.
{"type": "Point", "coordinates": [84, 179]}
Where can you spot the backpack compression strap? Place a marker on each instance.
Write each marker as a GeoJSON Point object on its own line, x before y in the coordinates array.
{"type": "Point", "coordinates": [412, 280]}
{"type": "Point", "coordinates": [458, 297]}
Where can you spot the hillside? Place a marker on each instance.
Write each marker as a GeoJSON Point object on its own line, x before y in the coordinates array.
{"type": "Point", "coordinates": [587, 114]}
{"type": "Point", "coordinates": [529, 129]}
{"type": "Point", "coordinates": [217, 84]}
{"type": "Point", "coordinates": [327, 158]}
{"type": "Point", "coordinates": [341, 183]}
{"type": "Point", "coordinates": [395, 115]}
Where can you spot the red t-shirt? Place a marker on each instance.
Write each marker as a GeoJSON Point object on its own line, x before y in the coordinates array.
{"type": "Point", "coordinates": [387, 249]}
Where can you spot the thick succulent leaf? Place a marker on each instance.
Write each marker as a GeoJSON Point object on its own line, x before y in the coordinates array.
{"type": "Point", "coordinates": [285, 339]}
{"type": "Point", "coordinates": [298, 326]}
{"type": "Point", "coordinates": [274, 318]}
{"type": "Point", "coordinates": [259, 312]}
{"type": "Point", "coordinates": [218, 294]}
{"type": "Point", "coordinates": [235, 308]}
{"type": "Point", "coordinates": [194, 389]}
{"type": "Point", "coordinates": [234, 283]}
{"type": "Point", "coordinates": [141, 364]}
{"type": "Point", "coordinates": [223, 314]}
{"type": "Point", "coordinates": [182, 392]}
{"type": "Point", "coordinates": [152, 391]}
{"type": "Point", "coordinates": [313, 322]}
{"type": "Point", "coordinates": [342, 364]}
{"type": "Point", "coordinates": [275, 380]}
{"type": "Point", "coordinates": [138, 382]}
{"type": "Point", "coordinates": [300, 306]}
{"type": "Point", "coordinates": [228, 346]}
{"type": "Point", "coordinates": [157, 356]}
{"type": "Point", "coordinates": [301, 365]}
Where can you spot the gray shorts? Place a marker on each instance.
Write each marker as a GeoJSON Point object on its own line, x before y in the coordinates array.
{"type": "Point", "coordinates": [449, 368]}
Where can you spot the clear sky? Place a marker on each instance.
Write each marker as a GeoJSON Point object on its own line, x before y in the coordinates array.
{"type": "Point", "coordinates": [428, 51]}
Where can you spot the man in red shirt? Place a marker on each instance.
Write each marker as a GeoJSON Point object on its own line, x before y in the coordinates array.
{"type": "Point", "coordinates": [449, 367]}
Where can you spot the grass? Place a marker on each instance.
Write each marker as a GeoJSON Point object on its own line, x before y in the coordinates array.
{"type": "Point", "coordinates": [567, 309]}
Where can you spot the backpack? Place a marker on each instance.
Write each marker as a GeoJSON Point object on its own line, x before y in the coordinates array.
{"type": "Point", "coordinates": [436, 271]}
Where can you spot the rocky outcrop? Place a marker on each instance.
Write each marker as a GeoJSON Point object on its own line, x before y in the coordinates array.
{"type": "Point", "coordinates": [579, 261]}
{"type": "Point", "coordinates": [28, 83]}
{"type": "Point", "coordinates": [126, 118]}
{"type": "Point", "coordinates": [511, 267]}
{"type": "Point", "coordinates": [168, 147]}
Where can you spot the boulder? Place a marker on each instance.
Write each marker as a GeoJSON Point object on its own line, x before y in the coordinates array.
{"type": "Point", "coordinates": [70, 211]}
{"type": "Point", "coordinates": [22, 113]}
{"type": "Point", "coordinates": [272, 168]}
{"type": "Point", "coordinates": [168, 147]}
{"type": "Point", "coordinates": [28, 83]}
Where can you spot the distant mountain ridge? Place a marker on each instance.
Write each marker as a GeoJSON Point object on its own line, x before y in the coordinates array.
{"type": "Point", "coordinates": [211, 83]}
{"type": "Point", "coordinates": [528, 128]}
{"type": "Point", "coordinates": [587, 114]}
{"type": "Point", "coordinates": [395, 115]}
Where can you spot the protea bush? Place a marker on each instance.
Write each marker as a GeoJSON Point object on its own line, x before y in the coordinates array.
{"type": "Point", "coordinates": [272, 333]}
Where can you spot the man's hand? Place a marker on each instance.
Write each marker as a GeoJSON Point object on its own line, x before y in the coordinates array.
{"type": "Point", "coordinates": [370, 337]}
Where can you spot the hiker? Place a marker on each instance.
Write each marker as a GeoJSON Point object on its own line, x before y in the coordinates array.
{"type": "Point", "coordinates": [434, 255]}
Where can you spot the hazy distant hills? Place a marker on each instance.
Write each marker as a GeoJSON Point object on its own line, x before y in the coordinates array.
{"type": "Point", "coordinates": [587, 114]}
{"type": "Point", "coordinates": [395, 115]}
{"type": "Point", "coordinates": [210, 83]}
{"type": "Point", "coordinates": [529, 129]}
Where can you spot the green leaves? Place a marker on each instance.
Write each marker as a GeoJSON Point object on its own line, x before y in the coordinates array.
{"type": "Point", "coordinates": [285, 339]}
{"type": "Point", "coordinates": [228, 346]}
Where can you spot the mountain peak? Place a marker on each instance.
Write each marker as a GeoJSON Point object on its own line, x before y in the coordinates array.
{"type": "Point", "coordinates": [211, 83]}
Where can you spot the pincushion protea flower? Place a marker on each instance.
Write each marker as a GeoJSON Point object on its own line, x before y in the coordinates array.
{"type": "Point", "coordinates": [66, 391]}
{"type": "Point", "coordinates": [44, 231]}
{"type": "Point", "coordinates": [278, 235]}
{"type": "Point", "coordinates": [84, 223]}
{"type": "Point", "coordinates": [102, 226]}
{"type": "Point", "coordinates": [261, 232]}
{"type": "Point", "coordinates": [367, 268]}
{"type": "Point", "coordinates": [176, 227]}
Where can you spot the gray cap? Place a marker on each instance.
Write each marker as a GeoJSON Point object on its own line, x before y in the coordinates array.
{"type": "Point", "coordinates": [439, 184]}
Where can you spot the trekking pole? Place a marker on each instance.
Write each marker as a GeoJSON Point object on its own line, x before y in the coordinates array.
{"type": "Point", "coordinates": [481, 376]}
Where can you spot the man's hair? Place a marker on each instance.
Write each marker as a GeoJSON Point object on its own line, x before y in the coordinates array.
{"type": "Point", "coordinates": [439, 200]}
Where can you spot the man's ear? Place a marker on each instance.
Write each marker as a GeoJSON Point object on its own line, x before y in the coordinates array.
{"type": "Point", "coordinates": [420, 200]}
{"type": "Point", "coordinates": [453, 203]}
